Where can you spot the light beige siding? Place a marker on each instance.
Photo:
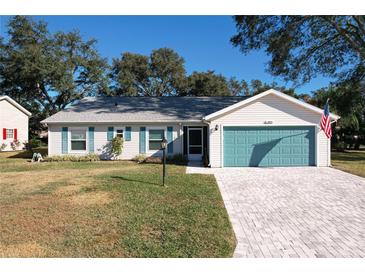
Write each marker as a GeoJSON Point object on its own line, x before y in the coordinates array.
{"type": "Point", "coordinates": [54, 140]}
{"type": "Point", "coordinates": [324, 149]}
{"type": "Point", "coordinates": [215, 145]}
{"type": "Point", "coordinates": [11, 118]}
{"type": "Point", "coordinates": [130, 148]}
{"type": "Point", "coordinates": [268, 108]}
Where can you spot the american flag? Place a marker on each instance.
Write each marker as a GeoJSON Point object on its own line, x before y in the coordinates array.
{"type": "Point", "coordinates": [326, 121]}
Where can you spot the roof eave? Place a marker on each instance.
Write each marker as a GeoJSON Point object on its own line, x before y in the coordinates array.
{"type": "Point", "coordinates": [118, 121]}
{"type": "Point", "coordinates": [221, 112]}
{"type": "Point", "coordinates": [15, 104]}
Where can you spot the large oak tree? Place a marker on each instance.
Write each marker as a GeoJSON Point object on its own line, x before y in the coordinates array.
{"type": "Point", "coordinates": [302, 47]}
{"type": "Point", "coordinates": [207, 84]}
{"type": "Point", "coordinates": [46, 71]}
{"type": "Point", "coordinates": [161, 73]}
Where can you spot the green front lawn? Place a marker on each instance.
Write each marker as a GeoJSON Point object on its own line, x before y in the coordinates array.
{"type": "Point", "coordinates": [109, 209]}
{"type": "Point", "coordinates": [351, 161]}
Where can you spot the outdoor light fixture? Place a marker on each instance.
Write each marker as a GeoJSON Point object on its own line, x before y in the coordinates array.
{"type": "Point", "coordinates": [163, 147]}
{"type": "Point", "coordinates": [216, 127]}
{"type": "Point", "coordinates": [163, 143]}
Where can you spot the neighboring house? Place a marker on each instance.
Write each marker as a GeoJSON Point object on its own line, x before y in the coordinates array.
{"type": "Point", "coordinates": [269, 129]}
{"type": "Point", "coordinates": [13, 124]}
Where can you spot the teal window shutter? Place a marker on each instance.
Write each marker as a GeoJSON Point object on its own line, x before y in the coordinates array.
{"type": "Point", "coordinates": [110, 134]}
{"type": "Point", "coordinates": [64, 140]}
{"type": "Point", "coordinates": [142, 140]}
{"type": "Point", "coordinates": [91, 139]}
{"type": "Point", "coordinates": [128, 136]}
{"type": "Point", "coordinates": [170, 145]}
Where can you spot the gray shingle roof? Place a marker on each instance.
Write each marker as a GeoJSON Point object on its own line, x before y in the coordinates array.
{"type": "Point", "coordinates": [142, 109]}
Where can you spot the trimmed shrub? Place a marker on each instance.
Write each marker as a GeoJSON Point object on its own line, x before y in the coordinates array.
{"type": "Point", "coordinates": [153, 160]}
{"type": "Point", "coordinates": [177, 159]}
{"type": "Point", "coordinates": [140, 158]}
{"type": "Point", "coordinates": [91, 157]}
{"type": "Point", "coordinates": [15, 144]}
{"type": "Point", "coordinates": [3, 146]}
{"type": "Point", "coordinates": [117, 145]}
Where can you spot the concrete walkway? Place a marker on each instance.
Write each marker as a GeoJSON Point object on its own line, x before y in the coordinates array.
{"type": "Point", "coordinates": [293, 212]}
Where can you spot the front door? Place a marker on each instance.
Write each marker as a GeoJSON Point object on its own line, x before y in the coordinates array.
{"type": "Point", "coordinates": [195, 144]}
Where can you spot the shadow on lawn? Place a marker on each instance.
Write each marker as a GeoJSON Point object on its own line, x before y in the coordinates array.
{"type": "Point", "coordinates": [124, 178]}
{"type": "Point", "coordinates": [348, 156]}
{"type": "Point", "coordinates": [26, 154]}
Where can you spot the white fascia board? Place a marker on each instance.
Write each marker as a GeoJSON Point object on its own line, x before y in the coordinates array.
{"type": "Point", "coordinates": [15, 104]}
{"type": "Point", "coordinates": [121, 122]}
{"type": "Point", "coordinates": [258, 96]}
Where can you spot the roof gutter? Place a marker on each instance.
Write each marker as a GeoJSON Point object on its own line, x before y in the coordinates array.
{"type": "Point", "coordinates": [118, 122]}
{"type": "Point", "coordinates": [206, 121]}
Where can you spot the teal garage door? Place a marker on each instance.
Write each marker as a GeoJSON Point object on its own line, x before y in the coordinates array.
{"type": "Point", "coordinates": [268, 146]}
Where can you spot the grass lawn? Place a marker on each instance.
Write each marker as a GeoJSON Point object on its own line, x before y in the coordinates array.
{"type": "Point", "coordinates": [109, 209]}
{"type": "Point", "coordinates": [352, 162]}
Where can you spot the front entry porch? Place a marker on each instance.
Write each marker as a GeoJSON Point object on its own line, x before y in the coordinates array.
{"type": "Point", "coordinates": [195, 143]}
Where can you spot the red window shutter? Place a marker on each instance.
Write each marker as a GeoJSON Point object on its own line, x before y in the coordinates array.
{"type": "Point", "coordinates": [15, 134]}
{"type": "Point", "coordinates": [4, 133]}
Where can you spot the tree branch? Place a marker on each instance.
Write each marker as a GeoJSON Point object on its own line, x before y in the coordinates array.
{"type": "Point", "coordinates": [356, 33]}
{"type": "Point", "coordinates": [314, 49]}
{"type": "Point", "coordinates": [359, 23]}
{"type": "Point", "coordinates": [41, 88]}
{"type": "Point", "coordinates": [344, 34]}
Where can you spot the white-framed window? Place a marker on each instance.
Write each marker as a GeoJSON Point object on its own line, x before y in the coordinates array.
{"type": "Point", "coordinates": [9, 133]}
{"type": "Point", "coordinates": [119, 132]}
{"type": "Point", "coordinates": [78, 139]}
{"type": "Point", "coordinates": [155, 137]}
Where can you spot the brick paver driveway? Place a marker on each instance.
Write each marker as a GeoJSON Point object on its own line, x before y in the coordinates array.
{"type": "Point", "coordinates": [294, 212]}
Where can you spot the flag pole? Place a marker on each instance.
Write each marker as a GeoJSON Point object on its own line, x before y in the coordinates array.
{"type": "Point", "coordinates": [320, 129]}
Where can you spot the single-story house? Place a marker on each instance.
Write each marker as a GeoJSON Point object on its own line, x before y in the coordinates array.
{"type": "Point", "coordinates": [14, 120]}
{"type": "Point", "coordinates": [268, 129]}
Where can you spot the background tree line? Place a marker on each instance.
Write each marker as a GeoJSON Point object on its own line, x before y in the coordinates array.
{"type": "Point", "coordinates": [45, 72]}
